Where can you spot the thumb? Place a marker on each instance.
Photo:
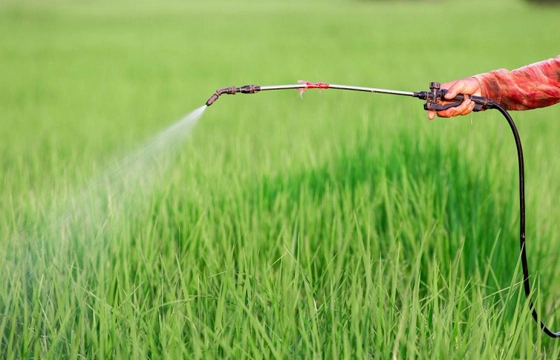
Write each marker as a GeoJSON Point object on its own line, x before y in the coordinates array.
{"type": "Point", "coordinates": [468, 86]}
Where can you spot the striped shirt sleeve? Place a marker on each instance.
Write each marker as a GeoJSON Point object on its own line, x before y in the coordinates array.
{"type": "Point", "coordinates": [530, 87]}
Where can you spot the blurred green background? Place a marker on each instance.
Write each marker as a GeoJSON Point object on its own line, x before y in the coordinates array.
{"type": "Point", "coordinates": [343, 225]}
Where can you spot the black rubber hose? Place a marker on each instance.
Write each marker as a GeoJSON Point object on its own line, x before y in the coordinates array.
{"type": "Point", "coordinates": [522, 243]}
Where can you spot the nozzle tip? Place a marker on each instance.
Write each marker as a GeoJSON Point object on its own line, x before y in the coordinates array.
{"type": "Point", "coordinates": [212, 99]}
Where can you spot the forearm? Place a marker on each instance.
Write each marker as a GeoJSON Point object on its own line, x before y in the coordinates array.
{"type": "Point", "coordinates": [532, 86]}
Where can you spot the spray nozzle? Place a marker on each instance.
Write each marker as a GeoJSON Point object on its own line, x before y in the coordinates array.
{"type": "Point", "coordinates": [232, 90]}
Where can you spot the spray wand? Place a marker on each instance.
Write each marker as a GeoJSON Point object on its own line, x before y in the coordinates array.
{"type": "Point", "coordinates": [432, 97]}
{"type": "Point", "coordinates": [435, 100]}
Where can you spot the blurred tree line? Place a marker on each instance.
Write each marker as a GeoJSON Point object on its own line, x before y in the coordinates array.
{"type": "Point", "coordinates": [528, 1]}
{"type": "Point", "coordinates": [543, 1]}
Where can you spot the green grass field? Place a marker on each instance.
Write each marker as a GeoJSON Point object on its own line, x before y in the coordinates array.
{"type": "Point", "coordinates": [344, 225]}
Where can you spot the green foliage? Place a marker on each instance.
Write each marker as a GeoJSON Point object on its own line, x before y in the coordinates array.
{"type": "Point", "coordinates": [343, 225]}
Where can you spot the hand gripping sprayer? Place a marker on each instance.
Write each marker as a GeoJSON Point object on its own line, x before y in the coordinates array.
{"type": "Point", "coordinates": [434, 100]}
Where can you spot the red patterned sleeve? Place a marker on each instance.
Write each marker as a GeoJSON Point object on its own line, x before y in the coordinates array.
{"type": "Point", "coordinates": [532, 86]}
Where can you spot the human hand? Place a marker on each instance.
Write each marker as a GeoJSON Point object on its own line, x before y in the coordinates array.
{"type": "Point", "coordinates": [467, 86]}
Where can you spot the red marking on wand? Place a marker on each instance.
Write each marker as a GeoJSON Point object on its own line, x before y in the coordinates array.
{"type": "Point", "coordinates": [318, 85]}
{"type": "Point", "coordinates": [310, 85]}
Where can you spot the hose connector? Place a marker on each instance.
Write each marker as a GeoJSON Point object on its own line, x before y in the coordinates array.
{"type": "Point", "coordinates": [232, 90]}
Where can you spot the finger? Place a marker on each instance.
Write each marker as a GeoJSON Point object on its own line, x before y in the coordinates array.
{"type": "Point", "coordinates": [458, 87]}
{"type": "Point", "coordinates": [447, 113]}
{"type": "Point", "coordinates": [431, 114]}
{"type": "Point", "coordinates": [467, 86]}
{"type": "Point", "coordinates": [461, 109]}
{"type": "Point", "coordinates": [452, 89]}
{"type": "Point", "coordinates": [469, 108]}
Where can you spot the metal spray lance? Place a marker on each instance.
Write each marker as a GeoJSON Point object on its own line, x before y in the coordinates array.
{"type": "Point", "coordinates": [434, 100]}
{"type": "Point", "coordinates": [433, 97]}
